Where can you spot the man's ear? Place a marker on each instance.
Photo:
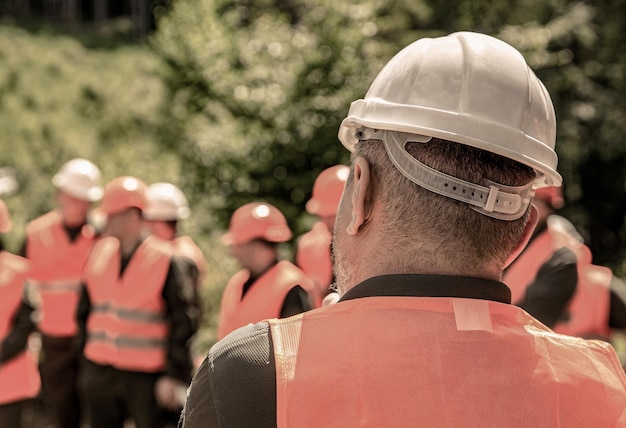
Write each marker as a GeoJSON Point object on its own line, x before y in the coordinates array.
{"type": "Point", "coordinates": [361, 200]}
{"type": "Point", "coordinates": [528, 233]}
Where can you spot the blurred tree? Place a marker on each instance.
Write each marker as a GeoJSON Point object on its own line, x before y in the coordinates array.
{"type": "Point", "coordinates": [59, 100]}
{"type": "Point", "coordinates": [258, 89]}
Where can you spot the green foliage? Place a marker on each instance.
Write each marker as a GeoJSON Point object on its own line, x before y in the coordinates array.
{"type": "Point", "coordinates": [258, 90]}
{"type": "Point", "coordinates": [59, 100]}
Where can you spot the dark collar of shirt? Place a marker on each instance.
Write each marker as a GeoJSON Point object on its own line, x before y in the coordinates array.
{"type": "Point", "coordinates": [419, 285]}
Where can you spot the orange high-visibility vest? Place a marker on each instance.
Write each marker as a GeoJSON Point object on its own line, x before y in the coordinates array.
{"type": "Point", "coordinates": [127, 328]}
{"type": "Point", "coordinates": [590, 305]}
{"type": "Point", "coordinates": [19, 377]}
{"type": "Point", "coordinates": [313, 257]}
{"type": "Point", "coordinates": [440, 362]}
{"type": "Point", "coordinates": [264, 299]}
{"type": "Point", "coordinates": [56, 268]}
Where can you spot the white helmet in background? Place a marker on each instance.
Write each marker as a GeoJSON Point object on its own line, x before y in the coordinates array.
{"type": "Point", "coordinates": [471, 89]}
{"type": "Point", "coordinates": [81, 179]}
{"type": "Point", "coordinates": [166, 202]}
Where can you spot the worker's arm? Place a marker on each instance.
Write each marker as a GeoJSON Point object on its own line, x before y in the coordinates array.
{"type": "Point", "coordinates": [82, 313]}
{"type": "Point", "coordinates": [182, 313]}
{"type": "Point", "coordinates": [547, 296]}
{"type": "Point", "coordinates": [21, 327]}
{"type": "Point", "coordinates": [236, 383]}
{"type": "Point", "coordinates": [617, 311]}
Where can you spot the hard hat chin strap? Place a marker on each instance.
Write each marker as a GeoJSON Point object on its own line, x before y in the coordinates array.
{"type": "Point", "coordinates": [489, 198]}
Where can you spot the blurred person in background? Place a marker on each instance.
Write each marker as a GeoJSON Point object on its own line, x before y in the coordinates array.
{"type": "Point", "coordinates": [447, 145]}
{"type": "Point", "coordinates": [136, 317]}
{"type": "Point", "coordinates": [265, 287]}
{"type": "Point", "coordinates": [167, 205]}
{"type": "Point", "coordinates": [57, 244]}
{"type": "Point", "coordinates": [313, 250]}
{"type": "Point", "coordinates": [555, 280]}
{"type": "Point", "coordinates": [19, 374]}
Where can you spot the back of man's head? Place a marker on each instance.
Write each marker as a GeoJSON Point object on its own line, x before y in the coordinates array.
{"type": "Point", "coordinates": [457, 131]}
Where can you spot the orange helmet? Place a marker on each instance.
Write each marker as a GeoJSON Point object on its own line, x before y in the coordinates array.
{"type": "Point", "coordinates": [5, 218]}
{"type": "Point", "coordinates": [257, 220]}
{"type": "Point", "coordinates": [327, 191]}
{"type": "Point", "coordinates": [123, 193]}
{"type": "Point", "coordinates": [552, 195]}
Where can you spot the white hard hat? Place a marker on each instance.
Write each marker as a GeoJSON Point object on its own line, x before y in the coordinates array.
{"type": "Point", "coordinates": [468, 88]}
{"type": "Point", "coordinates": [79, 178]}
{"type": "Point", "coordinates": [166, 202]}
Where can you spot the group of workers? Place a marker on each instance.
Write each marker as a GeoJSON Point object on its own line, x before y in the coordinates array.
{"type": "Point", "coordinates": [112, 294]}
{"type": "Point", "coordinates": [437, 288]}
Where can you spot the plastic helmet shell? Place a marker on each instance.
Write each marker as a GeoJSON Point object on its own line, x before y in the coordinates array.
{"type": "Point", "coordinates": [166, 202]}
{"type": "Point", "coordinates": [468, 88]}
{"type": "Point", "coordinates": [327, 191]}
{"type": "Point", "coordinates": [123, 193]}
{"type": "Point", "coordinates": [257, 220]}
{"type": "Point", "coordinates": [79, 178]}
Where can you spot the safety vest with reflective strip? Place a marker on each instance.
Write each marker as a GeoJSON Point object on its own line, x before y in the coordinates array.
{"type": "Point", "coordinates": [440, 362]}
{"type": "Point", "coordinates": [127, 328]}
{"type": "Point", "coordinates": [19, 376]}
{"type": "Point", "coordinates": [589, 307]}
{"type": "Point", "coordinates": [313, 257]}
{"type": "Point", "coordinates": [56, 269]}
{"type": "Point", "coordinates": [264, 299]}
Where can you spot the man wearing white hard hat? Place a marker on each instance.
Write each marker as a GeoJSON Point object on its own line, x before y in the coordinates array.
{"type": "Point", "coordinates": [447, 146]}
{"type": "Point", "coordinates": [167, 205]}
{"type": "Point", "coordinates": [57, 244]}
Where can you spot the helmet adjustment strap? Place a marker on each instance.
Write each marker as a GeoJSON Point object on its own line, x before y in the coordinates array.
{"type": "Point", "coordinates": [489, 198]}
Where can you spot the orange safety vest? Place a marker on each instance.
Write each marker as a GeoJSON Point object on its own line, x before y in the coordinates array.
{"type": "Point", "coordinates": [127, 328]}
{"type": "Point", "coordinates": [19, 377]}
{"type": "Point", "coordinates": [313, 257]}
{"type": "Point", "coordinates": [590, 305]}
{"type": "Point", "coordinates": [440, 362]}
{"type": "Point", "coordinates": [264, 299]}
{"type": "Point", "coordinates": [56, 268]}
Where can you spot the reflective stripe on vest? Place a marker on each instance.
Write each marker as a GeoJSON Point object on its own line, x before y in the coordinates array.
{"type": "Point", "coordinates": [589, 307]}
{"type": "Point", "coordinates": [127, 327]}
{"type": "Point", "coordinates": [439, 362]}
{"type": "Point", "coordinates": [313, 257]}
{"type": "Point", "coordinates": [264, 299]}
{"type": "Point", "coordinates": [56, 269]}
{"type": "Point", "coordinates": [19, 377]}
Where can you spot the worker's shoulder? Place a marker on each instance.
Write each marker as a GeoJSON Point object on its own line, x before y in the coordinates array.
{"type": "Point", "coordinates": [44, 221]}
{"type": "Point", "coordinates": [247, 346]}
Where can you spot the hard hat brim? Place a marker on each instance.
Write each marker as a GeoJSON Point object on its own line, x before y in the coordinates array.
{"type": "Point", "coordinates": [453, 127]}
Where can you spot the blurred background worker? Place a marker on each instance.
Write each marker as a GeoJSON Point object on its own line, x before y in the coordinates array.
{"type": "Point", "coordinates": [265, 287]}
{"type": "Point", "coordinates": [555, 280]}
{"type": "Point", "coordinates": [167, 205]}
{"type": "Point", "coordinates": [136, 316]}
{"type": "Point", "coordinates": [313, 251]}
{"type": "Point", "coordinates": [19, 375]}
{"type": "Point", "coordinates": [57, 245]}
